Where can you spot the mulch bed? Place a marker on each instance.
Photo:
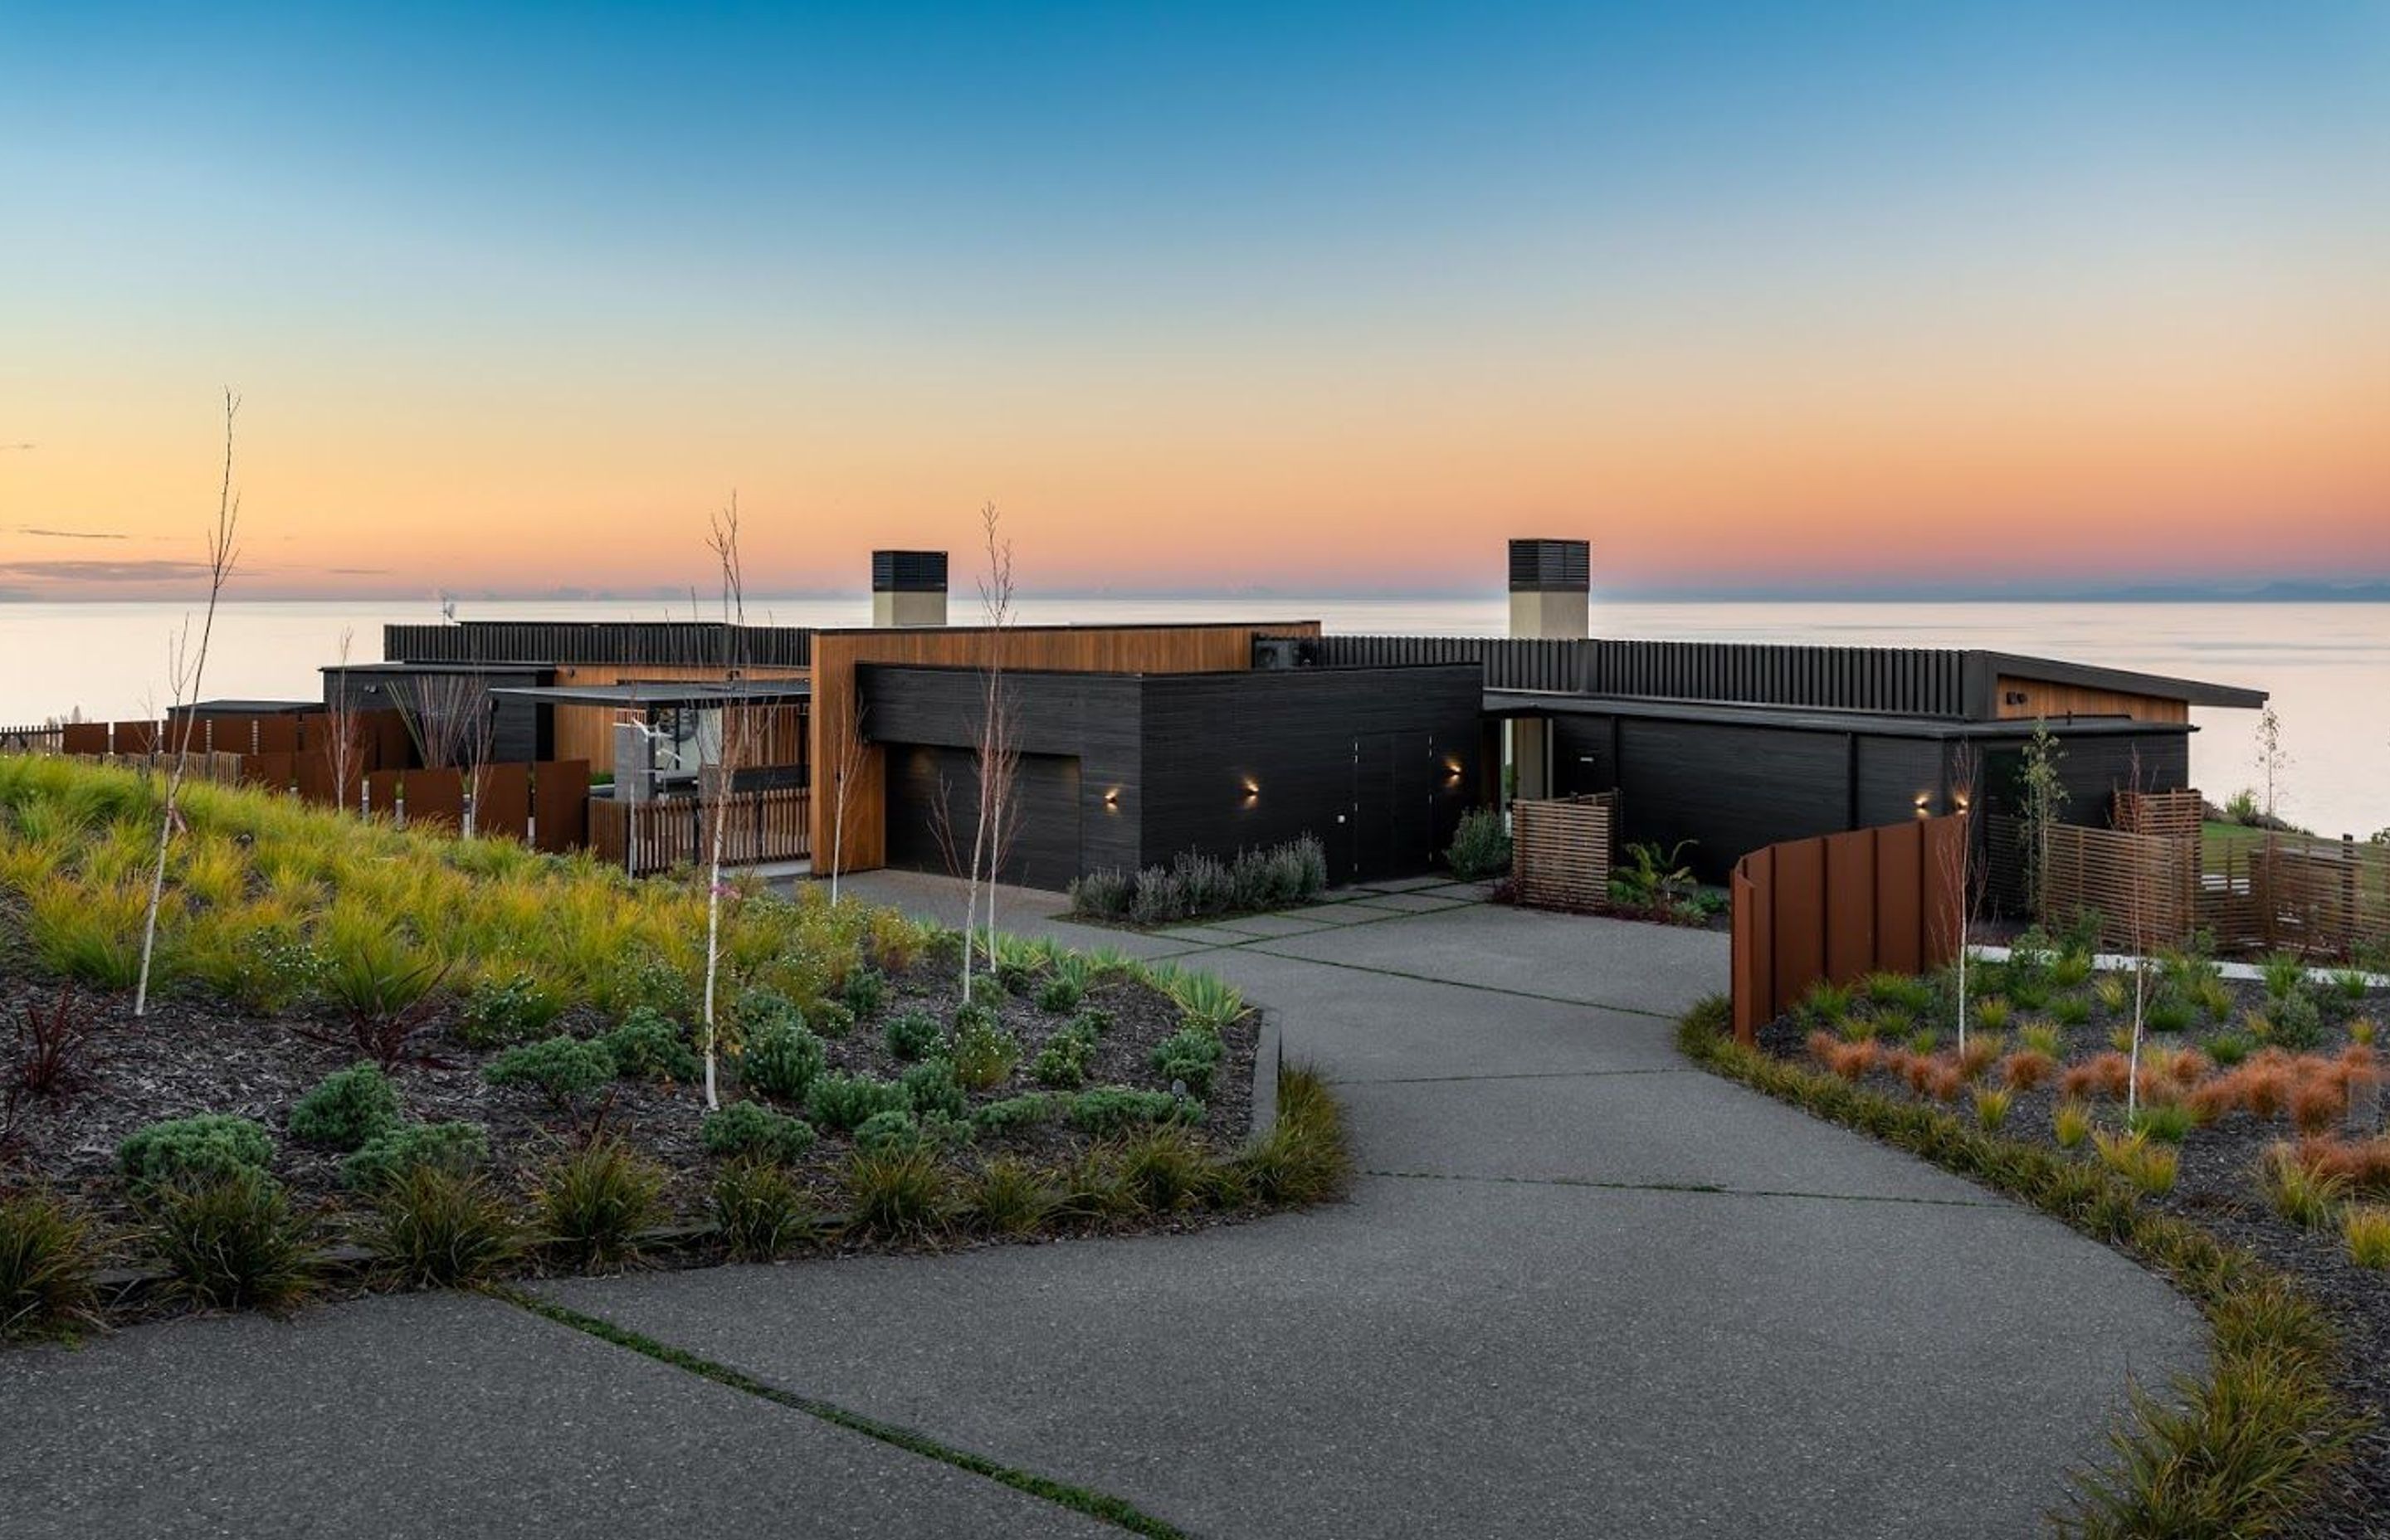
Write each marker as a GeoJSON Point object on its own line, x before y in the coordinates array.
{"type": "Point", "coordinates": [2216, 1188]}
{"type": "Point", "coordinates": [188, 1056]}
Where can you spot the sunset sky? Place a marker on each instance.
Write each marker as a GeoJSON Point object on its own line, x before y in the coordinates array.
{"type": "Point", "coordinates": [1323, 298]}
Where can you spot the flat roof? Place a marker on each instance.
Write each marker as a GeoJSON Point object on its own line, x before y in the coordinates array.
{"type": "Point", "coordinates": [674, 692]}
{"type": "Point", "coordinates": [2196, 692]}
{"type": "Point", "coordinates": [1799, 719]}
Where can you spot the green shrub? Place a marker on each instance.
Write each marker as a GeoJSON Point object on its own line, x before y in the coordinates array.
{"type": "Point", "coordinates": [435, 1226]}
{"type": "Point", "coordinates": [1062, 1062]}
{"type": "Point", "coordinates": [782, 1058]}
{"type": "Point", "coordinates": [189, 1149]}
{"type": "Point", "coordinates": [898, 1191]}
{"type": "Point", "coordinates": [48, 1263]}
{"type": "Point", "coordinates": [932, 1089]}
{"type": "Point", "coordinates": [842, 1103]}
{"type": "Point", "coordinates": [596, 1199]}
{"type": "Point", "coordinates": [1108, 1109]}
{"type": "Point", "coordinates": [1010, 1196]}
{"type": "Point", "coordinates": [346, 1108]}
{"type": "Point", "coordinates": [760, 1009]}
{"type": "Point", "coordinates": [569, 1072]}
{"type": "Point", "coordinates": [2306, 1197]}
{"type": "Point", "coordinates": [230, 1241]}
{"type": "Point", "coordinates": [2070, 1010]}
{"type": "Point", "coordinates": [647, 1045]}
{"type": "Point", "coordinates": [865, 992]}
{"type": "Point", "coordinates": [2070, 970]}
{"type": "Point", "coordinates": [2298, 1021]}
{"type": "Point", "coordinates": [1094, 1021]}
{"type": "Point", "coordinates": [912, 1035]}
{"type": "Point", "coordinates": [496, 1012]}
{"type": "Point", "coordinates": [749, 1130]}
{"type": "Point", "coordinates": [1104, 895]}
{"type": "Point", "coordinates": [831, 1019]}
{"type": "Point", "coordinates": [1187, 1057]}
{"type": "Point", "coordinates": [2168, 1014]}
{"type": "Point", "coordinates": [890, 1130]}
{"type": "Point", "coordinates": [760, 1211]}
{"type": "Point", "coordinates": [2351, 983]}
{"type": "Point", "coordinates": [390, 1155]}
{"type": "Point", "coordinates": [1060, 995]}
{"type": "Point", "coordinates": [1481, 846]}
{"type": "Point", "coordinates": [1025, 1112]}
{"type": "Point", "coordinates": [983, 1052]}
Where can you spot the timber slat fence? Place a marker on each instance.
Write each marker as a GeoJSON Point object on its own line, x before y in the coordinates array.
{"type": "Point", "coordinates": [1840, 907]}
{"type": "Point", "coordinates": [1562, 850]}
{"type": "Point", "coordinates": [641, 838]}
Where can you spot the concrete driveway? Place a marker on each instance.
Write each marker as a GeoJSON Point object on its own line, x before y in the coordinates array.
{"type": "Point", "coordinates": [1581, 1290]}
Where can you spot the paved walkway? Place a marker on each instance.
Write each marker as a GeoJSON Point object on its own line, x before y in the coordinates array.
{"type": "Point", "coordinates": [1582, 1291]}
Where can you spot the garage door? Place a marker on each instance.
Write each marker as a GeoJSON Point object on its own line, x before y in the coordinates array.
{"type": "Point", "coordinates": [1043, 840]}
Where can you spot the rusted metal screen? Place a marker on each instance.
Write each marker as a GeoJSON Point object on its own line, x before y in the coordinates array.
{"type": "Point", "coordinates": [381, 794]}
{"type": "Point", "coordinates": [273, 771]}
{"type": "Point", "coordinates": [561, 804]}
{"type": "Point", "coordinates": [394, 746]}
{"type": "Point", "coordinates": [276, 734]}
{"type": "Point", "coordinates": [502, 802]}
{"type": "Point", "coordinates": [1843, 906]}
{"type": "Point", "coordinates": [133, 737]}
{"type": "Point", "coordinates": [313, 772]}
{"type": "Point", "coordinates": [433, 799]}
{"type": "Point", "coordinates": [1560, 850]}
{"type": "Point", "coordinates": [83, 738]}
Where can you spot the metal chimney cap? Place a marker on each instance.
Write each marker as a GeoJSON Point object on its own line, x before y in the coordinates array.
{"type": "Point", "coordinates": [908, 571]}
{"type": "Point", "coordinates": [1552, 565]}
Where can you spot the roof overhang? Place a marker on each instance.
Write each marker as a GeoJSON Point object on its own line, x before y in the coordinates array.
{"type": "Point", "coordinates": [2196, 692]}
{"type": "Point", "coordinates": [1509, 703]}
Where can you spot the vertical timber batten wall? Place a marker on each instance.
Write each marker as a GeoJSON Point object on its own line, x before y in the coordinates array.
{"type": "Point", "coordinates": [1840, 907]}
{"type": "Point", "coordinates": [1211, 648]}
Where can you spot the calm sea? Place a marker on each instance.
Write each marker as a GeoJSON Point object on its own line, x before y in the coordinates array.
{"type": "Point", "coordinates": [2327, 665]}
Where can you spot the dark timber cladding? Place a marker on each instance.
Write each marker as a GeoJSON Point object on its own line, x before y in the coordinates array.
{"type": "Point", "coordinates": [1129, 770]}
{"type": "Point", "coordinates": [597, 642]}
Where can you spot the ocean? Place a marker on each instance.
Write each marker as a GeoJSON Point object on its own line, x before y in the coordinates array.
{"type": "Point", "coordinates": [2326, 665]}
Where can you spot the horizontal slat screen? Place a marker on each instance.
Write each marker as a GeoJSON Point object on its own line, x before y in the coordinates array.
{"type": "Point", "coordinates": [597, 642]}
{"type": "Point", "coordinates": [1910, 681]}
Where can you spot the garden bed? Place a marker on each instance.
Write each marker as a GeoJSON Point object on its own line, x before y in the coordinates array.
{"type": "Point", "coordinates": [394, 1060]}
{"type": "Point", "coordinates": [2258, 1118]}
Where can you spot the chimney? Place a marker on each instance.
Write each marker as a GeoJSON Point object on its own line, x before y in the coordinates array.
{"type": "Point", "coordinates": [1551, 588]}
{"type": "Point", "coordinates": [908, 588]}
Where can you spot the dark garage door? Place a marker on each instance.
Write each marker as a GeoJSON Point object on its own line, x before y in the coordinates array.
{"type": "Point", "coordinates": [1392, 822]}
{"type": "Point", "coordinates": [1044, 842]}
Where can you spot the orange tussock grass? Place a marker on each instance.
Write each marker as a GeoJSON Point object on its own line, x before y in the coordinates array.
{"type": "Point", "coordinates": [2105, 1074]}
{"type": "Point", "coordinates": [2026, 1068]}
{"type": "Point", "coordinates": [1947, 1080]}
{"type": "Point", "coordinates": [1822, 1045]}
{"type": "Point", "coordinates": [1978, 1055]}
{"type": "Point", "coordinates": [2363, 1164]}
{"type": "Point", "coordinates": [2261, 1086]}
{"type": "Point", "coordinates": [1853, 1061]}
{"type": "Point", "coordinates": [2317, 1102]}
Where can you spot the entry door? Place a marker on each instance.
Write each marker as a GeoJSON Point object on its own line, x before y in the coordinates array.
{"type": "Point", "coordinates": [1393, 820]}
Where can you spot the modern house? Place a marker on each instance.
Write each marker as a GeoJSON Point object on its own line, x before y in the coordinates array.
{"type": "Point", "coordinates": [1136, 742]}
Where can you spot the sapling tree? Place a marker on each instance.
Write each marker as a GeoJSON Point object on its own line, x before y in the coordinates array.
{"type": "Point", "coordinates": [2273, 760]}
{"type": "Point", "coordinates": [2137, 906]}
{"type": "Point", "coordinates": [2044, 796]}
{"type": "Point", "coordinates": [187, 666]}
{"type": "Point", "coordinates": [998, 756]}
{"type": "Point", "coordinates": [340, 750]}
{"type": "Point", "coordinates": [1962, 879]}
{"type": "Point", "coordinates": [724, 542]}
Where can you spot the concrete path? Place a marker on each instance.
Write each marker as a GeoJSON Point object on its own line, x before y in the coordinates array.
{"type": "Point", "coordinates": [1583, 1289]}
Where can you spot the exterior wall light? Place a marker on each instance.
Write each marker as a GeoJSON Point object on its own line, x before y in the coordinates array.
{"type": "Point", "coordinates": [1111, 799]}
{"type": "Point", "coordinates": [1925, 804]}
{"type": "Point", "coordinates": [1252, 791]}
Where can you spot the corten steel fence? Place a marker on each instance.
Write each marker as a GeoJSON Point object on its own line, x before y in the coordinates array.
{"type": "Point", "coordinates": [677, 831]}
{"type": "Point", "coordinates": [1562, 850]}
{"type": "Point", "coordinates": [1840, 907]}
